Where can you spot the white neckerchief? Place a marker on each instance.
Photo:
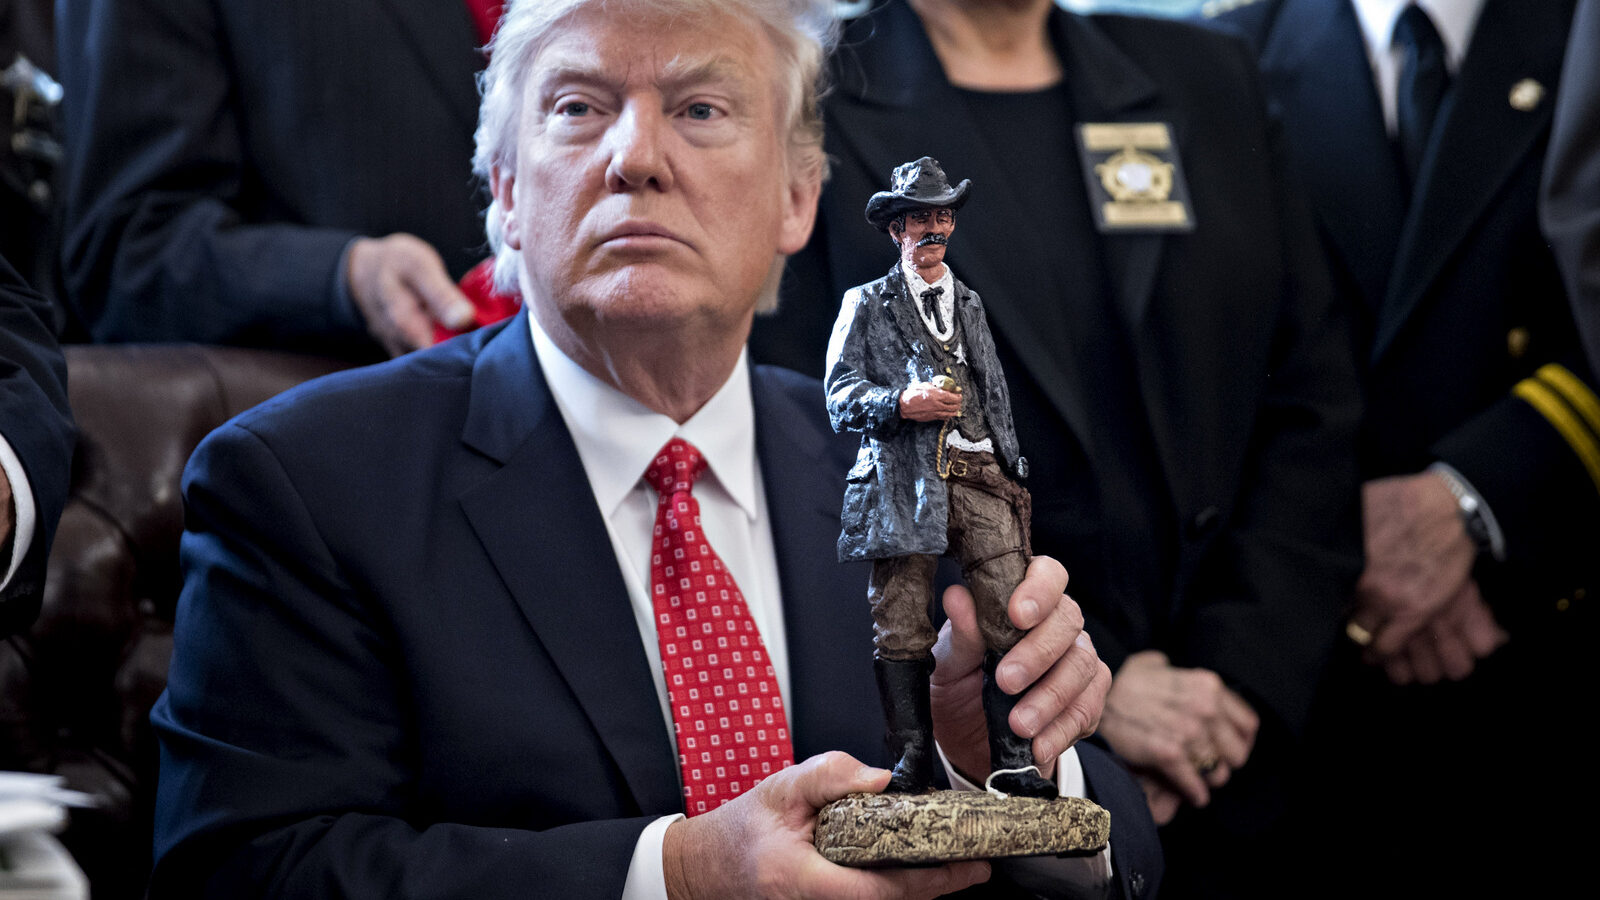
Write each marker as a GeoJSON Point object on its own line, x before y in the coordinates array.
{"type": "Point", "coordinates": [947, 301]}
{"type": "Point", "coordinates": [1453, 19]}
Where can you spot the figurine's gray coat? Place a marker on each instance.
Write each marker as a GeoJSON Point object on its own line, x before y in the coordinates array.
{"type": "Point", "coordinates": [895, 502]}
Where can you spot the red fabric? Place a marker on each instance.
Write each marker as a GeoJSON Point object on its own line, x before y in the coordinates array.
{"type": "Point", "coordinates": [485, 16]}
{"type": "Point", "coordinates": [726, 710]}
{"type": "Point", "coordinates": [489, 305]}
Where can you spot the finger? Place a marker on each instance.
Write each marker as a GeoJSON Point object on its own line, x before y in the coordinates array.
{"type": "Point", "coordinates": [1219, 775]}
{"type": "Point", "coordinates": [959, 650]}
{"type": "Point", "coordinates": [1179, 771]}
{"type": "Point", "coordinates": [1397, 631]}
{"type": "Point", "coordinates": [1476, 623]}
{"type": "Point", "coordinates": [441, 299]}
{"type": "Point", "coordinates": [1236, 737]}
{"type": "Point", "coordinates": [1163, 802]}
{"type": "Point", "coordinates": [1058, 688]}
{"type": "Point", "coordinates": [1052, 622]}
{"type": "Point", "coordinates": [1399, 670]}
{"type": "Point", "coordinates": [1424, 658]}
{"type": "Point", "coordinates": [1456, 659]}
{"type": "Point", "coordinates": [1077, 719]}
{"type": "Point", "coordinates": [826, 777]}
{"type": "Point", "coordinates": [410, 327]}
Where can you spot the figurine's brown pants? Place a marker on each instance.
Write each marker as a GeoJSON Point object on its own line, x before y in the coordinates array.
{"type": "Point", "coordinates": [988, 532]}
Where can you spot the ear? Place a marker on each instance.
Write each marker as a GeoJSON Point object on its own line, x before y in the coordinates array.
{"type": "Point", "coordinates": [502, 185]}
{"type": "Point", "coordinates": [799, 212]}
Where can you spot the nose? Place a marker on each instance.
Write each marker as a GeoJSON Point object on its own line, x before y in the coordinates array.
{"type": "Point", "coordinates": [637, 143]}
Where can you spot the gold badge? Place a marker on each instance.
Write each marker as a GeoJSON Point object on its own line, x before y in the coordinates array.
{"type": "Point", "coordinates": [1526, 94]}
{"type": "Point", "coordinates": [1135, 182]}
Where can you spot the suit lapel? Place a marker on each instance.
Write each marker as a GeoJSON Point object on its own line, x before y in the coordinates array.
{"type": "Point", "coordinates": [441, 34]}
{"type": "Point", "coordinates": [575, 601]}
{"type": "Point", "coordinates": [1315, 66]}
{"type": "Point", "coordinates": [1483, 140]}
{"type": "Point", "coordinates": [828, 652]}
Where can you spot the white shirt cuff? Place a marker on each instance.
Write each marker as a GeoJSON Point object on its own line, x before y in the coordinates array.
{"type": "Point", "coordinates": [22, 502]}
{"type": "Point", "coordinates": [647, 880]}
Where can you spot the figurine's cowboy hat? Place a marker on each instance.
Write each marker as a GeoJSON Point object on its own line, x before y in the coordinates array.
{"type": "Point", "coordinates": [915, 185]}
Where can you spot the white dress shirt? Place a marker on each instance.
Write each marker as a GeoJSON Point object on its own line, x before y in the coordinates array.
{"type": "Point", "coordinates": [1453, 19]}
{"type": "Point", "coordinates": [617, 437]}
{"type": "Point", "coordinates": [22, 503]}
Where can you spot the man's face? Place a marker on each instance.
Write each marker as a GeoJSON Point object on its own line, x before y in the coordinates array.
{"type": "Point", "coordinates": [651, 190]}
{"type": "Point", "coordinates": [922, 243]}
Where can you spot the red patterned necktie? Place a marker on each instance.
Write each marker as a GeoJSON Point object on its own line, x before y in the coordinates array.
{"type": "Point", "coordinates": [726, 710]}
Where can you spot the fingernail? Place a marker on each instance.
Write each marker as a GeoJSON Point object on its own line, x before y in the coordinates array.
{"type": "Point", "coordinates": [1030, 722]}
{"type": "Point", "coordinates": [1029, 610]}
{"type": "Point", "coordinates": [1009, 673]}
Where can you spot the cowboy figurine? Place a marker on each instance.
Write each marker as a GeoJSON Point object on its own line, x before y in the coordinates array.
{"type": "Point", "coordinates": [911, 366]}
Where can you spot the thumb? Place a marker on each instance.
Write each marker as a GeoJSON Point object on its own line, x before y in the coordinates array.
{"type": "Point", "coordinates": [830, 776]}
{"type": "Point", "coordinates": [959, 650]}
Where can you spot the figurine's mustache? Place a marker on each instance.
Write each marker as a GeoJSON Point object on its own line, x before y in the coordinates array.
{"type": "Point", "coordinates": [932, 237]}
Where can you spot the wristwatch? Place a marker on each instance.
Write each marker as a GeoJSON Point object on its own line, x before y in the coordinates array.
{"type": "Point", "coordinates": [1469, 507]}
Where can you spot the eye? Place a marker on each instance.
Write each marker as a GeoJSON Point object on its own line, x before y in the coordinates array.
{"type": "Point", "coordinates": [701, 111]}
{"type": "Point", "coordinates": [573, 108]}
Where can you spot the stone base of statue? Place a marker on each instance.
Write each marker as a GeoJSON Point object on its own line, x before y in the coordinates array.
{"type": "Point", "coordinates": [871, 830]}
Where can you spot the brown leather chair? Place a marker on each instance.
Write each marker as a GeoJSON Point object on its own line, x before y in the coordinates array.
{"type": "Point", "coordinates": [76, 689]}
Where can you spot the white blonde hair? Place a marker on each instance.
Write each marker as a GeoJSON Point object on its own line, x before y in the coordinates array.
{"type": "Point", "coordinates": [802, 30]}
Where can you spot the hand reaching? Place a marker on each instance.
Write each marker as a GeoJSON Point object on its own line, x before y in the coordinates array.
{"type": "Point", "coordinates": [401, 288]}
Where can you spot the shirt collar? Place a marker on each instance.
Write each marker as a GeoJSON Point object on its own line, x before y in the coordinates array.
{"type": "Point", "coordinates": [617, 436]}
{"type": "Point", "coordinates": [1453, 19]}
{"type": "Point", "coordinates": [916, 285]}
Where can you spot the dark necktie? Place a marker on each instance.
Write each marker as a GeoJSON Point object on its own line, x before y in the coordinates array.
{"type": "Point", "coordinates": [727, 713]}
{"type": "Point", "coordinates": [930, 302]}
{"type": "Point", "coordinates": [1423, 83]}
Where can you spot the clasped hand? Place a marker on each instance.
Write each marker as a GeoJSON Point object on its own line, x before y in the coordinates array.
{"type": "Point", "coordinates": [1417, 598]}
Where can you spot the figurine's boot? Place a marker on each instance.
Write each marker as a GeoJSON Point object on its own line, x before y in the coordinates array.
{"type": "Point", "coordinates": [1006, 749]}
{"type": "Point", "coordinates": [903, 687]}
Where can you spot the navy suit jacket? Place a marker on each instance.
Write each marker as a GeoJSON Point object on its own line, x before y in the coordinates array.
{"type": "Point", "coordinates": [1467, 342]}
{"type": "Point", "coordinates": [220, 154]}
{"type": "Point", "coordinates": [406, 661]}
{"type": "Point", "coordinates": [37, 424]}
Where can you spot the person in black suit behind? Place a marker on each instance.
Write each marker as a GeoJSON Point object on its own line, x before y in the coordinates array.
{"type": "Point", "coordinates": [417, 648]}
{"type": "Point", "coordinates": [1571, 193]}
{"type": "Point", "coordinates": [1181, 385]}
{"type": "Point", "coordinates": [36, 438]}
{"type": "Point", "coordinates": [276, 173]}
{"type": "Point", "coordinates": [1420, 130]}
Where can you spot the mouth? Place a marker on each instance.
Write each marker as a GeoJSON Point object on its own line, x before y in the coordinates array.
{"type": "Point", "coordinates": [641, 235]}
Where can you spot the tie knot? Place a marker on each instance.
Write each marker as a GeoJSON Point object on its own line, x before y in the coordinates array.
{"type": "Point", "coordinates": [933, 293]}
{"type": "Point", "coordinates": [675, 467]}
{"type": "Point", "coordinates": [1414, 31]}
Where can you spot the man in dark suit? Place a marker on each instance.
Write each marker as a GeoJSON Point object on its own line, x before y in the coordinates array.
{"type": "Point", "coordinates": [1571, 208]}
{"type": "Point", "coordinates": [36, 438]}
{"type": "Point", "coordinates": [284, 173]}
{"type": "Point", "coordinates": [1420, 131]}
{"type": "Point", "coordinates": [417, 646]}
{"type": "Point", "coordinates": [1184, 395]}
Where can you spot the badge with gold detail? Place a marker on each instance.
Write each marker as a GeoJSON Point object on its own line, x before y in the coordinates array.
{"type": "Point", "coordinates": [1134, 180]}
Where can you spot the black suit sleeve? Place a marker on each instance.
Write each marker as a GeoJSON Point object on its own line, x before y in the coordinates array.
{"type": "Point", "coordinates": [291, 750]}
{"type": "Point", "coordinates": [161, 242]}
{"type": "Point", "coordinates": [36, 423]}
